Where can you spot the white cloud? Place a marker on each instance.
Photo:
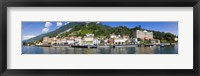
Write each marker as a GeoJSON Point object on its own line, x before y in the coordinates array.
{"type": "Point", "coordinates": [48, 24]}
{"type": "Point", "coordinates": [59, 24]}
{"type": "Point", "coordinates": [28, 37]}
{"type": "Point", "coordinates": [46, 27]}
{"type": "Point", "coordinates": [44, 30]}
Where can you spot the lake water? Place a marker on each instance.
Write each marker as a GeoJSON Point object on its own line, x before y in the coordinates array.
{"type": "Point", "coordinates": [172, 49]}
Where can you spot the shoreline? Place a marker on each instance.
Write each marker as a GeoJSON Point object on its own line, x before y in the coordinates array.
{"type": "Point", "coordinates": [100, 46]}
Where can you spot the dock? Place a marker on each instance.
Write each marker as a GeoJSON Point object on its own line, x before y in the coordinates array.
{"type": "Point", "coordinates": [43, 45]}
{"type": "Point", "coordinates": [84, 46]}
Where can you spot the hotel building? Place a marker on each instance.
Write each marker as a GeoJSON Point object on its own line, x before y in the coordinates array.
{"type": "Point", "coordinates": [143, 34]}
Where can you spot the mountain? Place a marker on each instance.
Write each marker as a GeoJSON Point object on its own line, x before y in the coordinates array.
{"type": "Point", "coordinates": [99, 30]}
{"type": "Point", "coordinates": [57, 31]}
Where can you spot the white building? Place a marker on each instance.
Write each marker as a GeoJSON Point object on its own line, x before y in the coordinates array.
{"type": "Point", "coordinates": [89, 35]}
{"type": "Point", "coordinates": [78, 41]}
{"type": "Point", "coordinates": [63, 40]}
{"type": "Point", "coordinates": [126, 38]}
{"type": "Point", "coordinates": [114, 36]}
{"type": "Point", "coordinates": [119, 40]}
{"type": "Point", "coordinates": [96, 41]}
{"type": "Point", "coordinates": [70, 42]}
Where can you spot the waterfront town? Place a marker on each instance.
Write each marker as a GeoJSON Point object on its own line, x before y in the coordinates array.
{"type": "Point", "coordinates": [141, 37]}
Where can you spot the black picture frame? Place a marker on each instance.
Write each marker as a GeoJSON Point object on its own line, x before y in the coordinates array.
{"type": "Point", "coordinates": [98, 3]}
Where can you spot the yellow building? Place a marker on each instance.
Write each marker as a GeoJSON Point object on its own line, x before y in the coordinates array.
{"type": "Point", "coordinates": [88, 39]}
{"type": "Point", "coordinates": [47, 40]}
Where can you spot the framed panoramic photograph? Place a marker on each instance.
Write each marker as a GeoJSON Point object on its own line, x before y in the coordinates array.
{"type": "Point", "coordinates": [130, 38]}
{"type": "Point", "coordinates": [100, 37]}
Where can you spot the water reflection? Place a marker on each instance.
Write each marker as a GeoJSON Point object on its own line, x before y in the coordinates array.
{"type": "Point", "coordinates": [173, 49]}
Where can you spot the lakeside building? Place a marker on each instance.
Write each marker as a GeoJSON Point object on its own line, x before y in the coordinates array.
{"type": "Point", "coordinates": [96, 41]}
{"type": "Point", "coordinates": [110, 41]}
{"type": "Point", "coordinates": [88, 39]}
{"type": "Point", "coordinates": [105, 41]}
{"type": "Point", "coordinates": [78, 41]}
{"type": "Point", "coordinates": [119, 41]}
{"type": "Point", "coordinates": [89, 35]}
{"type": "Point", "coordinates": [114, 36]}
{"type": "Point", "coordinates": [47, 40]}
{"type": "Point", "coordinates": [126, 37]}
{"type": "Point", "coordinates": [63, 41]}
{"type": "Point", "coordinates": [51, 41]}
{"type": "Point", "coordinates": [70, 40]}
{"type": "Point", "coordinates": [58, 41]}
{"type": "Point", "coordinates": [122, 40]}
{"type": "Point", "coordinates": [143, 34]}
{"type": "Point", "coordinates": [54, 40]}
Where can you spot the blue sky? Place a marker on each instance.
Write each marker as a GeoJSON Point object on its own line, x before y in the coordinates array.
{"type": "Point", "coordinates": [32, 29]}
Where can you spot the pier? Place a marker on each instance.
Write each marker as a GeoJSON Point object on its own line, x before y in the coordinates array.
{"type": "Point", "coordinates": [84, 46]}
